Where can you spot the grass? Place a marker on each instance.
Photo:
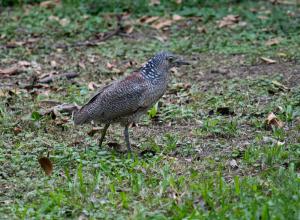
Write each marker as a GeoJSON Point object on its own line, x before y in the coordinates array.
{"type": "Point", "coordinates": [213, 114]}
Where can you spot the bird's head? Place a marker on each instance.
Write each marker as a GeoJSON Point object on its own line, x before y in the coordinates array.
{"type": "Point", "coordinates": [169, 60]}
{"type": "Point", "coordinates": [161, 63]}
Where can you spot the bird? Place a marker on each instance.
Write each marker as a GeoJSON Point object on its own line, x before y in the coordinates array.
{"type": "Point", "coordinates": [124, 101]}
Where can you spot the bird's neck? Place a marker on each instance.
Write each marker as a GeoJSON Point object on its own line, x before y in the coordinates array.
{"type": "Point", "coordinates": [153, 71]}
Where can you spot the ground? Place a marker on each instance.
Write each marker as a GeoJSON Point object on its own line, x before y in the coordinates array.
{"type": "Point", "coordinates": [206, 151]}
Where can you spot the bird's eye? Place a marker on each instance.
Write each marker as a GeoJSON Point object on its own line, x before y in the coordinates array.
{"type": "Point", "coordinates": [171, 59]}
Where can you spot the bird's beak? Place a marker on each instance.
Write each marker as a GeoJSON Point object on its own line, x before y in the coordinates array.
{"type": "Point", "coordinates": [181, 62]}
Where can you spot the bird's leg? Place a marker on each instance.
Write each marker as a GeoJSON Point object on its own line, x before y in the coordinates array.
{"type": "Point", "coordinates": [126, 136]}
{"type": "Point", "coordinates": [103, 134]}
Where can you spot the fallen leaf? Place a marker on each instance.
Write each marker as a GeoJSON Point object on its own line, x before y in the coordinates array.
{"type": "Point", "coordinates": [10, 70]}
{"type": "Point", "coordinates": [116, 70]}
{"type": "Point", "coordinates": [32, 40]}
{"type": "Point", "coordinates": [13, 43]}
{"type": "Point", "coordinates": [3, 93]}
{"type": "Point", "coordinates": [161, 38]}
{"type": "Point", "coordinates": [17, 130]}
{"type": "Point", "coordinates": [272, 120]}
{"type": "Point", "coordinates": [242, 24]}
{"type": "Point", "coordinates": [110, 65]}
{"type": "Point", "coordinates": [53, 18]}
{"type": "Point", "coordinates": [129, 29]}
{"type": "Point", "coordinates": [64, 22]}
{"type": "Point", "coordinates": [268, 60]}
{"type": "Point", "coordinates": [129, 64]}
{"type": "Point", "coordinates": [177, 17]}
{"type": "Point", "coordinates": [82, 65]}
{"type": "Point", "coordinates": [154, 2]}
{"type": "Point", "coordinates": [202, 30]}
{"type": "Point", "coordinates": [24, 63]}
{"type": "Point", "coordinates": [280, 85]}
{"type": "Point", "coordinates": [50, 4]}
{"type": "Point", "coordinates": [92, 86]}
{"type": "Point", "coordinates": [228, 20]}
{"type": "Point", "coordinates": [83, 217]}
{"type": "Point", "coordinates": [273, 41]}
{"type": "Point", "coordinates": [162, 24]}
{"type": "Point", "coordinates": [178, 2]}
{"type": "Point", "coordinates": [46, 165]}
{"type": "Point", "coordinates": [262, 17]}
{"type": "Point", "coordinates": [269, 140]}
{"type": "Point", "coordinates": [53, 63]}
{"type": "Point", "coordinates": [93, 131]}
{"type": "Point", "coordinates": [233, 163]}
{"type": "Point", "coordinates": [282, 54]}
{"type": "Point", "coordinates": [148, 19]}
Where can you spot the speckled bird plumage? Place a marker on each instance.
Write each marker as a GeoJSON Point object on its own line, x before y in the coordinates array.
{"type": "Point", "coordinates": [125, 100]}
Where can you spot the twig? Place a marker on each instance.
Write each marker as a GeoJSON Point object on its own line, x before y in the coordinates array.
{"type": "Point", "coordinates": [117, 31]}
{"type": "Point", "coordinates": [51, 78]}
{"type": "Point", "coordinates": [62, 108]}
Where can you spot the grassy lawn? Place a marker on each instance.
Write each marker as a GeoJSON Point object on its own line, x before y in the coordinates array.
{"type": "Point", "coordinates": [205, 151]}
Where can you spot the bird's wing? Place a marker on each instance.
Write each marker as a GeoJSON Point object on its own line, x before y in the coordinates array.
{"type": "Point", "coordinates": [117, 100]}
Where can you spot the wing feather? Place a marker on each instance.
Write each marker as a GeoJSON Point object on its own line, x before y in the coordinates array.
{"type": "Point", "coordinates": [116, 100]}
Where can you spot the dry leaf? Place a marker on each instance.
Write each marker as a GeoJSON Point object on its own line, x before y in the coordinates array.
{"type": "Point", "coordinates": [273, 120]}
{"type": "Point", "coordinates": [129, 29]}
{"type": "Point", "coordinates": [154, 2]}
{"type": "Point", "coordinates": [262, 17]}
{"type": "Point", "coordinates": [280, 85]}
{"type": "Point", "coordinates": [148, 19]}
{"type": "Point", "coordinates": [161, 24]}
{"type": "Point", "coordinates": [161, 38]}
{"type": "Point", "coordinates": [46, 165]}
{"type": "Point", "coordinates": [92, 86]}
{"type": "Point", "coordinates": [242, 24]}
{"type": "Point", "coordinates": [24, 63]}
{"type": "Point", "coordinates": [110, 65]}
{"type": "Point", "coordinates": [94, 131]}
{"type": "Point", "coordinates": [32, 40]}
{"type": "Point", "coordinates": [53, 18]}
{"type": "Point", "coordinates": [202, 30]}
{"type": "Point", "coordinates": [10, 70]}
{"type": "Point", "coordinates": [82, 65]}
{"type": "Point", "coordinates": [233, 163]}
{"type": "Point", "coordinates": [116, 70]}
{"type": "Point", "coordinates": [53, 63]}
{"type": "Point", "coordinates": [64, 22]}
{"type": "Point", "coordinates": [14, 43]}
{"type": "Point", "coordinates": [228, 20]}
{"type": "Point", "coordinates": [272, 42]}
{"type": "Point", "coordinates": [3, 93]}
{"type": "Point", "coordinates": [49, 4]}
{"type": "Point", "coordinates": [129, 64]}
{"type": "Point", "coordinates": [282, 54]}
{"type": "Point", "coordinates": [268, 60]}
{"type": "Point", "coordinates": [177, 17]}
{"type": "Point", "coordinates": [178, 2]}
{"type": "Point", "coordinates": [17, 130]}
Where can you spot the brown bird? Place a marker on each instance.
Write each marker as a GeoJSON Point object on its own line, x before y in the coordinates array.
{"type": "Point", "coordinates": [125, 100]}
